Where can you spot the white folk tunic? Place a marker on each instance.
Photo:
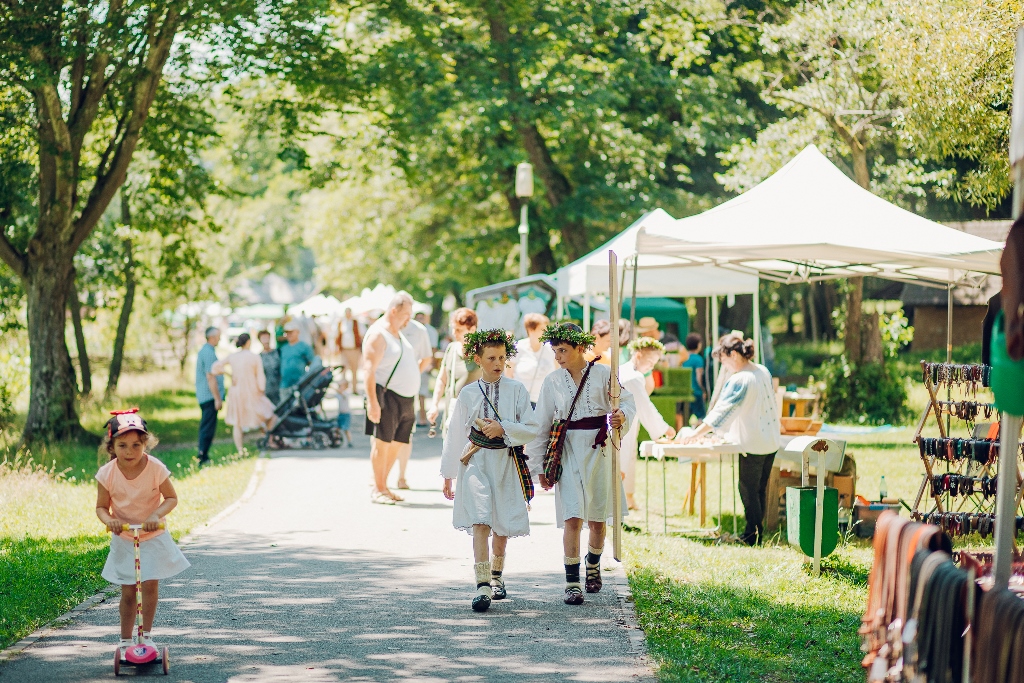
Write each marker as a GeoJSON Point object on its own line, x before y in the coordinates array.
{"type": "Point", "coordinates": [647, 415]}
{"type": "Point", "coordinates": [488, 490]}
{"type": "Point", "coordinates": [585, 488]}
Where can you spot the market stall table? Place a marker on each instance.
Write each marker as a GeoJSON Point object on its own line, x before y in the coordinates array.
{"type": "Point", "coordinates": [699, 454]}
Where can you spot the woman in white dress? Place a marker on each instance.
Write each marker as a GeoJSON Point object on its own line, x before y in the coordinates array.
{"type": "Point", "coordinates": [248, 405]}
{"type": "Point", "coordinates": [584, 490]}
{"type": "Point", "coordinates": [534, 360]}
{"type": "Point", "coordinates": [646, 353]}
{"type": "Point", "coordinates": [493, 487]}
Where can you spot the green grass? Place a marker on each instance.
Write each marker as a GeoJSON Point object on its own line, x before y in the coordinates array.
{"type": "Point", "coordinates": [52, 547]}
{"type": "Point", "coordinates": [729, 613]}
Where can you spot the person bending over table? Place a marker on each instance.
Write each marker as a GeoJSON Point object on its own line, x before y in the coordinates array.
{"type": "Point", "coordinates": [646, 353]}
{"type": "Point", "coordinates": [746, 414]}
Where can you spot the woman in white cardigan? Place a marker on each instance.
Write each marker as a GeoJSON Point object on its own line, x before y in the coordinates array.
{"type": "Point", "coordinates": [746, 413]}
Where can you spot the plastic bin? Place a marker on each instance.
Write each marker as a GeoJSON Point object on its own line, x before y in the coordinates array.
{"type": "Point", "coordinates": [800, 502]}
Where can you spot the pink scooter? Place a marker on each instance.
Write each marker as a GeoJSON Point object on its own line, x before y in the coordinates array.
{"type": "Point", "coordinates": [139, 654]}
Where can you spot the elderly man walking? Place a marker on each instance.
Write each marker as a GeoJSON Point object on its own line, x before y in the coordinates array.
{"type": "Point", "coordinates": [392, 371]}
{"type": "Point", "coordinates": [209, 393]}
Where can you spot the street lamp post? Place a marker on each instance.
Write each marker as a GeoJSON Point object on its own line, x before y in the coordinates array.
{"type": "Point", "coordinates": [524, 190]}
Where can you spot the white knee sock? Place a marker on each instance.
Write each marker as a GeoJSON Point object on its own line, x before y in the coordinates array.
{"type": "Point", "coordinates": [483, 578]}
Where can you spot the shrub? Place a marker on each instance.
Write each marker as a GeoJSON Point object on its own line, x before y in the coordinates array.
{"type": "Point", "coordinates": [873, 393]}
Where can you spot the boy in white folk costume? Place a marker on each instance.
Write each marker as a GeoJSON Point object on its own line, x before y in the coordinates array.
{"type": "Point", "coordinates": [491, 421]}
{"type": "Point", "coordinates": [646, 352]}
{"type": "Point", "coordinates": [575, 398]}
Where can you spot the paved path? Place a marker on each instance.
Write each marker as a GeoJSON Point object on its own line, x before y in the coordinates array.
{"type": "Point", "coordinates": [308, 581]}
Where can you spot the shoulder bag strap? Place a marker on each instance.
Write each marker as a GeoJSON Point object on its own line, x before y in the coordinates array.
{"type": "Point", "coordinates": [579, 390]}
{"type": "Point", "coordinates": [401, 351]}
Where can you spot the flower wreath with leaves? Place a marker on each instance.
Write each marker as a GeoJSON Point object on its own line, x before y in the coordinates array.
{"type": "Point", "coordinates": [474, 343]}
{"type": "Point", "coordinates": [567, 333]}
{"type": "Point", "coordinates": [646, 344]}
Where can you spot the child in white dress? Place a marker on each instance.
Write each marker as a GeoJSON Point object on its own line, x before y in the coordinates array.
{"type": "Point", "coordinates": [493, 487]}
{"type": "Point", "coordinates": [135, 488]}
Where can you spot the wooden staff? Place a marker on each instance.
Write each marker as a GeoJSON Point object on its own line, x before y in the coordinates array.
{"type": "Point", "coordinates": [613, 392]}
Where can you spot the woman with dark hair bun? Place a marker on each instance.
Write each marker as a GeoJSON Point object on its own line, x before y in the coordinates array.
{"type": "Point", "coordinates": [248, 405]}
{"type": "Point", "coordinates": [746, 413]}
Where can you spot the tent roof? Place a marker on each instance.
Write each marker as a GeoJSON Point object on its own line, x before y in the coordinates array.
{"type": "Point", "coordinates": [317, 305]}
{"type": "Point", "coordinates": [809, 221]}
{"type": "Point", "coordinates": [658, 275]}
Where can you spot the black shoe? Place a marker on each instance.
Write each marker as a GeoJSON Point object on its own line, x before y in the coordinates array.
{"type": "Point", "coordinates": [481, 603]}
{"type": "Point", "coordinates": [498, 589]}
{"type": "Point", "coordinates": [573, 595]}
{"type": "Point", "coordinates": [594, 582]}
{"type": "Point", "coordinates": [203, 462]}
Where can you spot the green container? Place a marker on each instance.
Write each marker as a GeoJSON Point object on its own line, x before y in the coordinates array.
{"type": "Point", "coordinates": [800, 518]}
{"type": "Point", "coordinates": [676, 382]}
{"type": "Point", "coordinates": [1007, 374]}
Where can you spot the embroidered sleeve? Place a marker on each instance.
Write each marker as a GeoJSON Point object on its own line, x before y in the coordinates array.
{"type": "Point", "coordinates": [724, 412]}
{"type": "Point", "coordinates": [523, 428]}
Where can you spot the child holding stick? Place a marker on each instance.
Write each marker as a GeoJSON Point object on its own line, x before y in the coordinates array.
{"type": "Point", "coordinates": [483, 449]}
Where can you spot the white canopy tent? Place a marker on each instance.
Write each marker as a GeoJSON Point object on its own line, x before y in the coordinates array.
{"type": "Point", "coordinates": [808, 221]}
{"type": "Point", "coordinates": [317, 305]}
{"type": "Point", "coordinates": [656, 276]}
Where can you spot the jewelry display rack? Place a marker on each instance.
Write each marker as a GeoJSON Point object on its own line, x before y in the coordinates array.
{"type": "Point", "coordinates": [966, 503]}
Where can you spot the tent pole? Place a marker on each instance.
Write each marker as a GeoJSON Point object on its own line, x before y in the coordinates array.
{"type": "Point", "coordinates": [949, 318]}
{"type": "Point", "coordinates": [586, 311]}
{"type": "Point", "coordinates": [757, 323]}
{"type": "Point", "coordinates": [558, 312]}
{"type": "Point", "coordinates": [714, 331]}
{"type": "Point", "coordinates": [1009, 429]}
{"type": "Point", "coordinates": [632, 299]}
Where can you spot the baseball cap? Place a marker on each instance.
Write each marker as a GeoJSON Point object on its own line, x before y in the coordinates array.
{"type": "Point", "coordinates": [125, 421]}
{"type": "Point", "coordinates": [291, 326]}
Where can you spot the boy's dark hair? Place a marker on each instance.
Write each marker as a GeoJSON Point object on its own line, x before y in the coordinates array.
{"type": "Point", "coordinates": [693, 341]}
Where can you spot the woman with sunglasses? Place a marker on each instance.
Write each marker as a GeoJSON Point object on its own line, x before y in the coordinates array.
{"type": "Point", "coordinates": [746, 413]}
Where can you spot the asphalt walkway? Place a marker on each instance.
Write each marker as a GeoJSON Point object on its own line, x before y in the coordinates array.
{"type": "Point", "coordinates": [309, 581]}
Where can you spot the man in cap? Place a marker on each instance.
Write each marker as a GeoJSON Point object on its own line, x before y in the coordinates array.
{"type": "Point", "coordinates": [295, 358]}
{"type": "Point", "coordinates": [209, 393]}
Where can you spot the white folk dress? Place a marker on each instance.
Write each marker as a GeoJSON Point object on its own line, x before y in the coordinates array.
{"type": "Point", "coordinates": [647, 415]}
{"type": "Point", "coordinates": [585, 488]}
{"type": "Point", "coordinates": [488, 490]}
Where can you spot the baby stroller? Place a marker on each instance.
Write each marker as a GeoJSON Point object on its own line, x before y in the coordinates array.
{"type": "Point", "coordinates": [303, 423]}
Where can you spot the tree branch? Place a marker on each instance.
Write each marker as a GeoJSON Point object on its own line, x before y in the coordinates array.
{"type": "Point", "coordinates": [10, 255]}
{"type": "Point", "coordinates": [142, 96]}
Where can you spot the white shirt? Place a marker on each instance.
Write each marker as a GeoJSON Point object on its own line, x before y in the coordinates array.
{"type": "Point", "coordinates": [397, 351]}
{"type": "Point", "coordinates": [647, 415]}
{"type": "Point", "coordinates": [418, 336]}
{"type": "Point", "coordinates": [348, 336]}
{"type": "Point", "coordinates": [531, 367]}
{"type": "Point", "coordinates": [747, 413]}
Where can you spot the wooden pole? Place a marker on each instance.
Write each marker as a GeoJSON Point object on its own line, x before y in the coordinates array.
{"type": "Point", "coordinates": [613, 392]}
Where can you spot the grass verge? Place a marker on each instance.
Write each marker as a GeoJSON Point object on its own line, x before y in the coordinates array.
{"type": "Point", "coordinates": [731, 613]}
{"type": "Point", "coordinates": [52, 548]}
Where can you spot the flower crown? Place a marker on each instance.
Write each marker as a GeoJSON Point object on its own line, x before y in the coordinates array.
{"type": "Point", "coordinates": [474, 343]}
{"type": "Point", "coordinates": [645, 343]}
{"type": "Point", "coordinates": [567, 333]}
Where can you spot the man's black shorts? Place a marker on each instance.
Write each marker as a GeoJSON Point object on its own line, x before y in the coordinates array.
{"type": "Point", "coordinates": [397, 417]}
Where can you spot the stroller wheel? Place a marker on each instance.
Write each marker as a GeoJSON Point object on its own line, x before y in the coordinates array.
{"type": "Point", "coordinates": [319, 441]}
{"type": "Point", "coordinates": [261, 443]}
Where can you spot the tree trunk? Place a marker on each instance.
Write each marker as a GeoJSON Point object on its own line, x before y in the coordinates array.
{"type": "Point", "coordinates": [854, 324]}
{"type": "Point", "coordinates": [812, 311]}
{"type": "Point", "coordinates": [75, 304]}
{"type": "Point", "coordinates": [126, 312]}
{"type": "Point", "coordinates": [52, 414]}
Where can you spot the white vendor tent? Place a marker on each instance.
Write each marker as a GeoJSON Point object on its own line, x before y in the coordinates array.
{"type": "Point", "coordinates": [374, 300]}
{"type": "Point", "coordinates": [808, 221]}
{"type": "Point", "coordinates": [317, 306]}
{"type": "Point", "coordinates": [656, 275]}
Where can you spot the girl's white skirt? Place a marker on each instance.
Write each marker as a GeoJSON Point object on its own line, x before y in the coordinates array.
{"type": "Point", "coordinates": [160, 559]}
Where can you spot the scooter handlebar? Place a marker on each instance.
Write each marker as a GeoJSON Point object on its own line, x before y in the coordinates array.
{"type": "Point", "coordinates": [132, 527]}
